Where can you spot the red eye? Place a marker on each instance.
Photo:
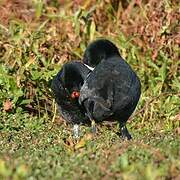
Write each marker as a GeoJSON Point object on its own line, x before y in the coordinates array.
{"type": "Point", "coordinates": [75, 94]}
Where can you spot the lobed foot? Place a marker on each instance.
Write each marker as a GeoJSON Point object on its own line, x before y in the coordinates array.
{"type": "Point", "coordinates": [76, 131]}
{"type": "Point", "coordinates": [125, 134]}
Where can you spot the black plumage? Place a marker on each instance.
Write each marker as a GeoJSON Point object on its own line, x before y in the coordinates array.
{"type": "Point", "coordinates": [113, 89]}
{"type": "Point", "coordinates": [66, 86]}
{"type": "Point", "coordinates": [99, 50]}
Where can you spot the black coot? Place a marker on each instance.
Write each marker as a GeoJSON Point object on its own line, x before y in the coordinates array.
{"type": "Point", "coordinates": [66, 87]}
{"type": "Point", "coordinates": [112, 90]}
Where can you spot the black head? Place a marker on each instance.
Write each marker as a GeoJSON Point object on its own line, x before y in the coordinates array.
{"type": "Point", "coordinates": [67, 83]}
{"type": "Point", "coordinates": [99, 50]}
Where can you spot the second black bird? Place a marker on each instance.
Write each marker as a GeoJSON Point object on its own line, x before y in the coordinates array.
{"type": "Point", "coordinates": [113, 89]}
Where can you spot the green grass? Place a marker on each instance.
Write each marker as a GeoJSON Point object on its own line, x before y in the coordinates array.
{"type": "Point", "coordinates": [35, 143]}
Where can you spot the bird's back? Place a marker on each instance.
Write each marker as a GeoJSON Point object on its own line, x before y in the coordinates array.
{"type": "Point", "coordinates": [114, 85]}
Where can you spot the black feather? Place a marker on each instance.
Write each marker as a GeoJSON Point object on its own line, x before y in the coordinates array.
{"type": "Point", "coordinates": [71, 77]}
{"type": "Point", "coordinates": [113, 88]}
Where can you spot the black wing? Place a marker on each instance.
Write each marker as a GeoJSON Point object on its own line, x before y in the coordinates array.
{"type": "Point", "coordinates": [107, 88]}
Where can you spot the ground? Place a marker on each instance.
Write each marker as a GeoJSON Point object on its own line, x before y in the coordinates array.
{"type": "Point", "coordinates": [37, 38]}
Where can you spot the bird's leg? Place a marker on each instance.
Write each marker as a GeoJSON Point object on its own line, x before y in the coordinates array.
{"type": "Point", "coordinates": [76, 131]}
{"type": "Point", "coordinates": [93, 127]}
{"type": "Point", "coordinates": [124, 132]}
{"type": "Point", "coordinates": [93, 123]}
